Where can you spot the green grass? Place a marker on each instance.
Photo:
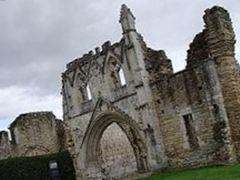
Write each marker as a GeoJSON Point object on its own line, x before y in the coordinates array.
{"type": "Point", "coordinates": [209, 173]}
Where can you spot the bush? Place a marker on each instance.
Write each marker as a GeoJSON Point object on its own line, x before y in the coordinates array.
{"type": "Point", "coordinates": [36, 168]}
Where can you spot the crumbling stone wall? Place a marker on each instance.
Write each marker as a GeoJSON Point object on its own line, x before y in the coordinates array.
{"type": "Point", "coordinates": [207, 91]}
{"type": "Point", "coordinates": [198, 50]}
{"type": "Point", "coordinates": [5, 150]}
{"type": "Point", "coordinates": [32, 134]}
{"type": "Point", "coordinates": [221, 41]}
{"type": "Point", "coordinates": [191, 110]}
{"type": "Point", "coordinates": [158, 65]}
{"type": "Point", "coordinates": [217, 41]}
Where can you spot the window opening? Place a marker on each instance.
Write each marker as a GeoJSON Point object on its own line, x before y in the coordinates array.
{"type": "Point", "coordinates": [122, 77]}
{"type": "Point", "coordinates": [89, 94]}
{"type": "Point", "coordinates": [190, 131]}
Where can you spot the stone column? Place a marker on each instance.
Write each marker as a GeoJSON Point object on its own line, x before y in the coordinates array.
{"type": "Point", "coordinates": [224, 152]}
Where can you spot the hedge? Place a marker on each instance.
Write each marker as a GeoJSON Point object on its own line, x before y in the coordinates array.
{"type": "Point", "coordinates": [36, 168]}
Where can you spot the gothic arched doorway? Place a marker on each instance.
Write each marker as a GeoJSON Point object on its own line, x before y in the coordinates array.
{"type": "Point", "coordinates": [117, 156]}
{"type": "Point", "coordinates": [91, 146]}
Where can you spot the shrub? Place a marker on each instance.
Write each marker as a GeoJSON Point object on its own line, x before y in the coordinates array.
{"type": "Point", "coordinates": [36, 168]}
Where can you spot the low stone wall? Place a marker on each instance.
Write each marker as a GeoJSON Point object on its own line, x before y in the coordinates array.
{"type": "Point", "coordinates": [33, 134]}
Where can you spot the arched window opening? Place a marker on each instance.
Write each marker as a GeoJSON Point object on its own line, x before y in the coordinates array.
{"type": "Point", "coordinates": [89, 94]}
{"type": "Point", "coordinates": [122, 77]}
{"type": "Point", "coordinates": [114, 69]}
{"type": "Point", "coordinates": [116, 73]}
{"type": "Point", "coordinates": [86, 93]}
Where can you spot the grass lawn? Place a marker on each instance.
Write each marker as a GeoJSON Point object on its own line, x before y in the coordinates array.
{"type": "Point", "coordinates": [209, 173]}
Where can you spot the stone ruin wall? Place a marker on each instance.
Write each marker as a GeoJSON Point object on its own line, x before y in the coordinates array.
{"type": "Point", "coordinates": [102, 84]}
{"type": "Point", "coordinates": [207, 90]}
{"type": "Point", "coordinates": [221, 43]}
{"type": "Point", "coordinates": [217, 41]}
{"type": "Point", "coordinates": [33, 134]}
{"type": "Point", "coordinates": [191, 93]}
{"type": "Point", "coordinates": [5, 151]}
{"type": "Point", "coordinates": [197, 108]}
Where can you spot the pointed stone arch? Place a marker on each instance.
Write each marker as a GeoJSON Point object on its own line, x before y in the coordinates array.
{"type": "Point", "coordinates": [113, 68]}
{"type": "Point", "coordinates": [109, 56]}
{"type": "Point", "coordinates": [100, 121]}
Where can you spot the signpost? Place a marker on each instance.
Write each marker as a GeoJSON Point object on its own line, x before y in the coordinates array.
{"type": "Point", "coordinates": [54, 173]}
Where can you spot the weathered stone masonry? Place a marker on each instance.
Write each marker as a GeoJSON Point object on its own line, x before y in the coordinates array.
{"type": "Point", "coordinates": [170, 120]}
{"type": "Point", "coordinates": [33, 134]}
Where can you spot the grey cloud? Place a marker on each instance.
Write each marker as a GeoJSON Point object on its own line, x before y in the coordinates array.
{"type": "Point", "coordinates": [54, 32]}
{"type": "Point", "coordinates": [51, 33]}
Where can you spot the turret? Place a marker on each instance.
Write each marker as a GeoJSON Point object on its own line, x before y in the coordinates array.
{"type": "Point", "coordinates": [132, 40]}
{"type": "Point", "coordinates": [127, 19]}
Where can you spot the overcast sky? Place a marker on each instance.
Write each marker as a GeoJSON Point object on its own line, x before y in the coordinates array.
{"type": "Point", "coordinates": [38, 38]}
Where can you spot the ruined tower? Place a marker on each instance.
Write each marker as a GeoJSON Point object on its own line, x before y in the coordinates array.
{"type": "Point", "coordinates": [220, 39]}
{"type": "Point", "coordinates": [217, 41]}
